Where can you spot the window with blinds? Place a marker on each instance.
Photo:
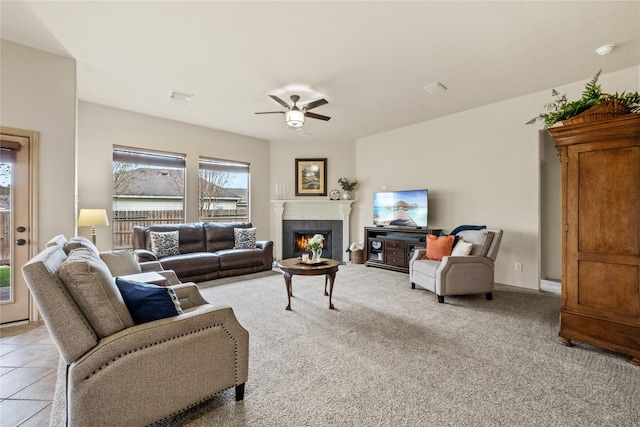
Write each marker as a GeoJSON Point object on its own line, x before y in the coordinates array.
{"type": "Point", "coordinates": [223, 190]}
{"type": "Point", "coordinates": [148, 188]}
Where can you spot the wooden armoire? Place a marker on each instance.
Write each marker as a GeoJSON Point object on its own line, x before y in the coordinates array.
{"type": "Point", "coordinates": [601, 233]}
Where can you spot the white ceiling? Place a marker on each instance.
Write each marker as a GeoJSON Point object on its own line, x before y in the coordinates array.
{"type": "Point", "coordinates": [370, 60]}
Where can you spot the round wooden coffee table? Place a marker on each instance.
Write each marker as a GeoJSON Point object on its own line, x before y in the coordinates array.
{"type": "Point", "coordinates": [293, 266]}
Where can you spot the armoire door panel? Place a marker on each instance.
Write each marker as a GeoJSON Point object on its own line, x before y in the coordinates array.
{"type": "Point", "coordinates": [611, 287]}
{"type": "Point", "coordinates": [608, 201]}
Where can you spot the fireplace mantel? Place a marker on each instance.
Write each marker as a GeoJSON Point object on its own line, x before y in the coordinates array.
{"type": "Point", "coordinates": [298, 209]}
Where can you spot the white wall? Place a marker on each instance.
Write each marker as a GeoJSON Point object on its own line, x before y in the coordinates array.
{"type": "Point", "coordinates": [101, 127]}
{"type": "Point", "coordinates": [551, 209]}
{"type": "Point", "coordinates": [38, 93]}
{"type": "Point", "coordinates": [481, 167]}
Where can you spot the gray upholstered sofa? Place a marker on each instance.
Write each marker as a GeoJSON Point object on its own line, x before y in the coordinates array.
{"type": "Point", "coordinates": [459, 275]}
{"type": "Point", "coordinates": [117, 373]}
{"type": "Point", "coordinates": [206, 250]}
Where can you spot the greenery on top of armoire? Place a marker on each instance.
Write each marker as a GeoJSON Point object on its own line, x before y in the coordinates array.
{"type": "Point", "coordinates": [560, 109]}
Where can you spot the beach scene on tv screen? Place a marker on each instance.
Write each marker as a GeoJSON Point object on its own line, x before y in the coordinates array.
{"type": "Point", "coordinates": [401, 208]}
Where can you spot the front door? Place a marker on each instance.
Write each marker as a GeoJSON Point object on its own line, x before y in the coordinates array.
{"type": "Point", "coordinates": [16, 221]}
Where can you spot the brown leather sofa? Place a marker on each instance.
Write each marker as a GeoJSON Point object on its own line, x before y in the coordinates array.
{"type": "Point", "coordinates": [206, 251]}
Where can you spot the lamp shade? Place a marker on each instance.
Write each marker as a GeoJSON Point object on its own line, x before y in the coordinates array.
{"type": "Point", "coordinates": [294, 118]}
{"type": "Point", "coordinates": [92, 217]}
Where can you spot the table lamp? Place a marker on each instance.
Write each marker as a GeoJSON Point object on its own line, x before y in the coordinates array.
{"type": "Point", "coordinates": [92, 217]}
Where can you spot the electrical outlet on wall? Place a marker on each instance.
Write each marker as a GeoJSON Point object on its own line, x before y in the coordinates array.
{"type": "Point", "coordinates": [518, 266]}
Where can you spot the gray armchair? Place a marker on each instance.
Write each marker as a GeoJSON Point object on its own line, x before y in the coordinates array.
{"type": "Point", "coordinates": [459, 275]}
{"type": "Point", "coordinates": [114, 372]}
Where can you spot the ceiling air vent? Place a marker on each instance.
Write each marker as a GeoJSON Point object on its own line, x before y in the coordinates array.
{"type": "Point", "coordinates": [181, 98]}
{"type": "Point", "coordinates": [435, 88]}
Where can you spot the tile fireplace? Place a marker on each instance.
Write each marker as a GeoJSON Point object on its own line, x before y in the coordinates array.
{"type": "Point", "coordinates": [299, 219]}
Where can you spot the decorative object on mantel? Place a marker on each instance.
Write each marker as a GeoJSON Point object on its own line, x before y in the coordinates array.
{"type": "Point", "coordinates": [282, 191]}
{"type": "Point", "coordinates": [347, 187]}
{"type": "Point", "coordinates": [311, 177]}
{"type": "Point", "coordinates": [334, 194]}
{"type": "Point", "coordinates": [594, 105]}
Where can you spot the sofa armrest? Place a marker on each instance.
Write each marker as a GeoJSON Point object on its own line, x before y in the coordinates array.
{"type": "Point", "coordinates": [150, 266]}
{"type": "Point", "coordinates": [449, 261]}
{"type": "Point", "coordinates": [189, 295]}
{"type": "Point", "coordinates": [262, 244]}
{"type": "Point", "coordinates": [464, 274]}
{"type": "Point", "coordinates": [170, 275]}
{"type": "Point", "coordinates": [143, 255]}
{"type": "Point", "coordinates": [267, 248]}
{"type": "Point", "coordinates": [206, 350]}
{"type": "Point", "coordinates": [418, 254]}
{"type": "Point", "coordinates": [158, 333]}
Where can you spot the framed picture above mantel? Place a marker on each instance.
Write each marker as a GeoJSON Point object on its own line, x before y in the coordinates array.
{"type": "Point", "coordinates": [311, 177]}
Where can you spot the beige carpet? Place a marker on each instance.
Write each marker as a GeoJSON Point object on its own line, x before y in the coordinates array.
{"type": "Point", "coordinates": [392, 356]}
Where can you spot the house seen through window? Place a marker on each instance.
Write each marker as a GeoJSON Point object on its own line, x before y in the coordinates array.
{"type": "Point", "coordinates": [223, 190]}
{"type": "Point", "coordinates": [148, 188]}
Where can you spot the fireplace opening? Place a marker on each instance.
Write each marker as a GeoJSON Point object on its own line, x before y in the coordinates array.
{"type": "Point", "coordinates": [333, 246]}
{"type": "Point", "coordinates": [301, 240]}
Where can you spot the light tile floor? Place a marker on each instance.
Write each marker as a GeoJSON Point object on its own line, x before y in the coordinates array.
{"type": "Point", "coordinates": [28, 364]}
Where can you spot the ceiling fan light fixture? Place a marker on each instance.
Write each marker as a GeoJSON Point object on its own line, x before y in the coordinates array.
{"type": "Point", "coordinates": [294, 118]}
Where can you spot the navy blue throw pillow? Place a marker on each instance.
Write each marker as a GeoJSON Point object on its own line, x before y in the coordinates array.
{"type": "Point", "coordinates": [147, 302]}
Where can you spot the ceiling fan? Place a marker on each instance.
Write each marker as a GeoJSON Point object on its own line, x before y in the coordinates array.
{"type": "Point", "coordinates": [295, 114]}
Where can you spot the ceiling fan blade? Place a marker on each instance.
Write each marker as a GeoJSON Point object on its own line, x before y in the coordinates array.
{"type": "Point", "coordinates": [279, 101]}
{"type": "Point", "coordinates": [270, 112]}
{"type": "Point", "coordinates": [314, 104]}
{"type": "Point", "coordinates": [317, 116]}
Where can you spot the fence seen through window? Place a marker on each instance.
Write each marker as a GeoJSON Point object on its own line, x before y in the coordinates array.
{"type": "Point", "coordinates": [223, 190]}
{"type": "Point", "coordinates": [148, 188]}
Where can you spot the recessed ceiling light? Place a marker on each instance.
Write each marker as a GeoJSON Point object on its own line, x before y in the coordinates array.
{"type": "Point", "coordinates": [181, 98]}
{"type": "Point", "coordinates": [435, 88]}
{"type": "Point", "coordinates": [606, 49]}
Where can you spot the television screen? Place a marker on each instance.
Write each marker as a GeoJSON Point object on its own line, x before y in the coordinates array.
{"type": "Point", "coordinates": [401, 208]}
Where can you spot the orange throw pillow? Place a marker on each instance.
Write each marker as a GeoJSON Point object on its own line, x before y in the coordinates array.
{"type": "Point", "coordinates": [439, 246]}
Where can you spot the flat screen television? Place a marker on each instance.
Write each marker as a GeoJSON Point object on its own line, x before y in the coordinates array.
{"type": "Point", "coordinates": [401, 208]}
